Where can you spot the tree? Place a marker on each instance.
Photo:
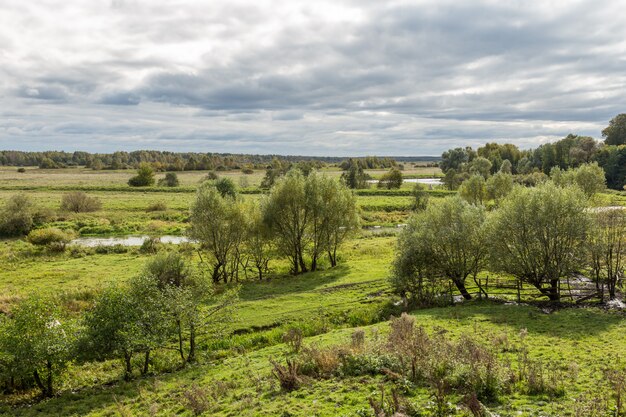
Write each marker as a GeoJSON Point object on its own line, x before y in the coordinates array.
{"type": "Point", "coordinates": [607, 247]}
{"type": "Point", "coordinates": [450, 244]}
{"type": "Point", "coordinates": [615, 132]}
{"type": "Point", "coordinates": [186, 291]}
{"type": "Point", "coordinates": [506, 167]}
{"type": "Point", "coordinates": [499, 186]}
{"type": "Point", "coordinates": [538, 235]}
{"type": "Point", "coordinates": [453, 179]}
{"type": "Point", "coordinates": [170, 180]}
{"type": "Point", "coordinates": [354, 176]}
{"type": "Point", "coordinates": [218, 223]}
{"type": "Point", "coordinates": [456, 159]}
{"type": "Point", "coordinates": [259, 243]}
{"type": "Point", "coordinates": [588, 177]}
{"type": "Point", "coordinates": [287, 216]}
{"type": "Point", "coordinates": [474, 190]}
{"type": "Point", "coordinates": [79, 202]}
{"type": "Point", "coordinates": [39, 341]}
{"type": "Point", "coordinates": [144, 177]}
{"type": "Point", "coordinates": [481, 166]}
{"type": "Point", "coordinates": [391, 179]}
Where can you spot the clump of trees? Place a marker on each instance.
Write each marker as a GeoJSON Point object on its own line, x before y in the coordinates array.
{"type": "Point", "coordinates": [568, 153]}
{"type": "Point", "coordinates": [354, 175]}
{"type": "Point", "coordinates": [79, 202]}
{"type": "Point", "coordinates": [144, 177]}
{"type": "Point", "coordinates": [538, 235]}
{"type": "Point", "coordinates": [303, 219]}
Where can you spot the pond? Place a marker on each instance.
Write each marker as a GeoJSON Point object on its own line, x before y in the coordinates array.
{"type": "Point", "coordinates": [92, 242]}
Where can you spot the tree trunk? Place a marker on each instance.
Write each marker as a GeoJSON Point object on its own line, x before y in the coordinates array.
{"type": "Point", "coordinates": [49, 391]}
{"type": "Point", "coordinates": [314, 262]}
{"type": "Point", "coordinates": [303, 267]}
{"type": "Point", "coordinates": [128, 374]}
{"type": "Point", "coordinates": [552, 292]}
{"type": "Point", "coordinates": [146, 363]}
{"type": "Point", "coordinates": [39, 383]}
{"type": "Point", "coordinates": [181, 350]}
{"type": "Point", "coordinates": [460, 285]}
{"type": "Point", "coordinates": [192, 344]}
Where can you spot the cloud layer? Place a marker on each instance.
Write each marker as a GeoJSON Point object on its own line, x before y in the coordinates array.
{"type": "Point", "coordinates": [300, 77]}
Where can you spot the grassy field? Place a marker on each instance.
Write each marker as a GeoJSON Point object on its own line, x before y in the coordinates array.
{"type": "Point", "coordinates": [573, 345]}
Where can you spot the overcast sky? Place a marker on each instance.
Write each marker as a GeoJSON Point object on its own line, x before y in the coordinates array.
{"type": "Point", "coordinates": [307, 77]}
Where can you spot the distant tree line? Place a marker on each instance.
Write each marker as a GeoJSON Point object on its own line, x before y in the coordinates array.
{"type": "Point", "coordinates": [160, 160]}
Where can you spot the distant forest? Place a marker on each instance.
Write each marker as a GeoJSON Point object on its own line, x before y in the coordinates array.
{"type": "Point", "coordinates": [180, 161]}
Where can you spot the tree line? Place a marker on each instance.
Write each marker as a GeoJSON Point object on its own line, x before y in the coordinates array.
{"type": "Point", "coordinates": [530, 166]}
{"type": "Point", "coordinates": [537, 235]}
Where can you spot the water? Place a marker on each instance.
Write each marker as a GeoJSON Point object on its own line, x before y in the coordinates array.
{"type": "Point", "coordinates": [92, 242]}
{"type": "Point", "coordinates": [426, 181]}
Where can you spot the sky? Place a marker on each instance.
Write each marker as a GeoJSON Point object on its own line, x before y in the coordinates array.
{"type": "Point", "coordinates": [327, 78]}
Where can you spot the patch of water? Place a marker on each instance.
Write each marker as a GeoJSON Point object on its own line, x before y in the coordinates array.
{"type": "Point", "coordinates": [92, 242]}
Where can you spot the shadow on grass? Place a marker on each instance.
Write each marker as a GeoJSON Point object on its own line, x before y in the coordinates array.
{"type": "Point", "coordinates": [568, 323]}
{"type": "Point", "coordinates": [284, 285]}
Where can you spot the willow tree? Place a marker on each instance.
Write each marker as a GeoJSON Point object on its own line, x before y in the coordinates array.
{"type": "Point", "coordinates": [446, 241]}
{"type": "Point", "coordinates": [538, 235]}
{"type": "Point", "coordinates": [607, 248]}
{"type": "Point", "coordinates": [219, 224]}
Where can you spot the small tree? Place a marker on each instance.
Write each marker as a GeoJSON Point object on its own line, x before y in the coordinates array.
{"type": "Point", "coordinates": [39, 340]}
{"type": "Point", "coordinates": [391, 179]}
{"type": "Point", "coordinates": [259, 242]}
{"type": "Point", "coordinates": [607, 248]}
{"type": "Point", "coordinates": [226, 187]}
{"type": "Point", "coordinates": [474, 190]}
{"type": "Point", "coordinates": [144, 177]}
{"type": "Point", "coordinates": [538, 235]}
{"type": "Point", "coordinates": [170, 180]}
{"type": "Point", "coordinates": [481, 166]}
{"type": "Point", "coordinates": [420, 198]}
{"type": "Point", "coordinates": [79, 202]}
{"type": "Point", "coordinates": [354, 176]}
{"type": "Point", "coordinates": [218, 223]}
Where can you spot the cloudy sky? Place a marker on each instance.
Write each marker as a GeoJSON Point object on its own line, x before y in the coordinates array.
{"type": "Point", "coordinates": [307, 77]}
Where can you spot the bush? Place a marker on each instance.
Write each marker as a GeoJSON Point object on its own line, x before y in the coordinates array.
{"type": "Point", "coordinates": [197, 400]}
{"type": "Point", "coordinates": [51, 237]}
{"type": "Point", "coordinates": [21, 170]}
{"type": "Point", "coordinates": [79, 202]}
{"type": "Point", "coordinates": [170, 180]}
{"type": "Point", "coordinates": [211, 176]}
{"type": "Point", "coordinates": [287, 375]}
{"type": "Point", "coordinates": [157, 206]}
{"type": "Point", "coordinates": [144, 177]}
{"type": "Point", "coordinates": [247, 171]}
{"type": "Point", "coordinates": [16, 217]}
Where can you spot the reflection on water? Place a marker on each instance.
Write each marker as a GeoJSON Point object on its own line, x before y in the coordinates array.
{"type": "Point", "coordinates": [427, 181]}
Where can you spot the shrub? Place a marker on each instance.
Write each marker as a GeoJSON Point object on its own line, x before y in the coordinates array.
{"type": "Point", "coordinates": [170, 180]}
{"type": "Point", "coordinates": [287, 376]}
{"type": "Point", "coordinates": [226, 187]}
{"type": "Point", "coordinates": [211, 176]}
{"type": "Point", "coordinates": [197, 399]}
{"type": "Point", "coordinates": [293, 338]}
{"type": "Point", "coordinates": [157, 206]}
{"type": "Point", "coordinates": [21, 170]}
{"type": "Point", "coordinates": [51, 237]}
{"type": "Point", "coordinates": [247, 171]}
{"type": "Point", "coordinates": [79, 202]}
{"type": "Point", "coordinates": [16, 217]}
{"type": "Point", "coordinates": [144, 177]}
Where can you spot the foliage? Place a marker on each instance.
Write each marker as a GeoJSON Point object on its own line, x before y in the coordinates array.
{"type": "Point", "coordinates": [226, 187]}
{"type": "Point", "coordinates": [499, 185]}
{"type": "Point", "coordinates": [17, 216]}
{"type": "Point", "coordinates": [538, 235]}
{"type": "Point", "coordinates": [170, 180]}
{"type": "Point", "coordinates": [474, 190]}
{"type": "Point", "coordinates": [615, 132]}
{"type": "Point", "coordinates": [446, 241]}
{"type": "Point", "coordinates": [588, 177]}
{"type": "Point", "coordinates": [38, 341]}
{"type": "Point", "coordinates": [79, 202]}
{"type": "Point", "coordinates": [391, 179]}
{"type": "Point", "coordinates": [144, 177]}
{"type": "Point", "coordinates": [51, 237]}
{"type": "Point", "coordinates": [420, 198]}
{"type": "Point", "coordinates": [354, 176]}
{"type": "Point", "coordinates": [607, 247]}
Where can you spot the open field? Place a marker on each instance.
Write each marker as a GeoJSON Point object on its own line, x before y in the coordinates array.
{"type": "Point", "coordinates": [571, 346]}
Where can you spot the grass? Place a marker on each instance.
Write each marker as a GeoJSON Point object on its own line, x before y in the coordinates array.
{"type": "Point", "coordinates": [235, 374]}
